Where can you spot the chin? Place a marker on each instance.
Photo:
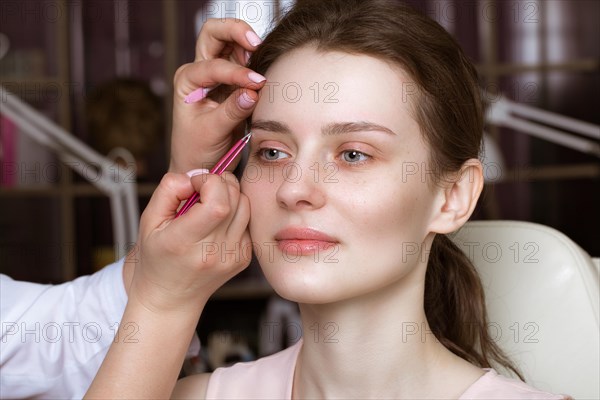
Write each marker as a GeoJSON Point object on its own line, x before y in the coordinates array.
{"type": "Point", "coordinates": [306, 296]}
{"type": "Point", "coordinates": [305, 283]}
{"type": "Point", "coordinates": [311, 286]}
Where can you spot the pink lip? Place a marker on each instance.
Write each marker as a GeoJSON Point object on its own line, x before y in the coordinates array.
{"type": "Point", "coordinates": [297, 241]}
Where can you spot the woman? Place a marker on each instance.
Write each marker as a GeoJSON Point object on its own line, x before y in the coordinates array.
{"type": "Point", "coordinates": [364, 146]}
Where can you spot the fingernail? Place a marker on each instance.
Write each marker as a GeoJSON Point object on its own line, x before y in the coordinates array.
{"type": "Point", "coordinates": [196, 95]}
{"type": "Point", "coordinates": [256, 77]}
{"type": "Point", "coordinates": [253, 38]}
{"type": "Point", "coordinates": [245, 101]}
{"type": "Point", "coordinates": [198, 171]}
{"type": "Point", "coordinates": [247, 54]}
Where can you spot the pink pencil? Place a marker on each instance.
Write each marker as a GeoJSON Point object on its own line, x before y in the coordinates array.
{"type": "Point", "coordinates": [218, 169]}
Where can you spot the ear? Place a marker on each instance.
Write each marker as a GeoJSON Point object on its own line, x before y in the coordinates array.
{"type": "Point", "coordinates": [457, 198]}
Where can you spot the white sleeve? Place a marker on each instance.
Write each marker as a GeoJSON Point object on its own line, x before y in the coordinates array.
{"type": "Point", "coordinates": [54, 338]}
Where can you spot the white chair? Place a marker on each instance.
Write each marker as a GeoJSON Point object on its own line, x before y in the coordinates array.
{"type": "Point", "coordinates": [542, 298]}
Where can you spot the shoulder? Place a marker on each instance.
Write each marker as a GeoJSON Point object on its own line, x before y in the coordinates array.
{"type": "Point", "coordinates": [11, 289]}
{"type": "Point", "coordinates": [191, 387]}
{"type": "Point", "coordinates": [495, 386]}
{"type": "Point", "coordinates": [266, 378]}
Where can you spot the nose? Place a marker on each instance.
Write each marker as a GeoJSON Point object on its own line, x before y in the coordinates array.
{"type": "Point", "coordinates": [300, 188]}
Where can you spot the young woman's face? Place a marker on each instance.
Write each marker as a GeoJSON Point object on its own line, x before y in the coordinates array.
{"type": "Point", "coordinates": [337, 177]}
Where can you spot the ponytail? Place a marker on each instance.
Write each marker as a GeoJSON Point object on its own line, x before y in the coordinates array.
{"type": "Point", "coordinates": [455, 307]}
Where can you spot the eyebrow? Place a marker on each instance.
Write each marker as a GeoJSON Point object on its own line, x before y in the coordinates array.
{"type": "Point", "coordinates": [335, 128]}
{"type": "Point", "coordinates": [270, 126]}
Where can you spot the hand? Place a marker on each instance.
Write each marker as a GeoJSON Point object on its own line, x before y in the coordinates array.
{"type": "Point", "coordinates": [202, 130]}
{"type": "Point", "coordinates": [173, 278]}
{"type": "Point", "coordinates": [181, 262]}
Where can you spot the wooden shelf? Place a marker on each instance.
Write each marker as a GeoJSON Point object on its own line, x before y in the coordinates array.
{"type": "Point", "coordinates": [44, 81]}
{"type": "Point", "coordinates": [75, 190]}
{"type": "Point", "coordinates": [515, 68]}
{"type": "Point", "coordinates": [548, 173]}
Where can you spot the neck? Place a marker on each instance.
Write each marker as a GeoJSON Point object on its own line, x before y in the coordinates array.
{"type": "Point", "coordinates": [374, 346]}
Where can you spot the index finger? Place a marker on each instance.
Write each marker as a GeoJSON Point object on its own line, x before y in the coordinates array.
{"type": "Point", "coordinates": [213, 209]}
{"type": "Point", "coordinates": [217, 34]}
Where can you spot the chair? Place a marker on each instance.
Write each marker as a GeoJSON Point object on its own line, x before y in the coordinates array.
{"type": "Point", "coordinates": [542, 298]}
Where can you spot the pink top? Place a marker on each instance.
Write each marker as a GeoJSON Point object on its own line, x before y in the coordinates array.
{"type": "Point", "coordinates": [272, 377]}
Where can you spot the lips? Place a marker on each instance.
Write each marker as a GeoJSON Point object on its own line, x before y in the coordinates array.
{"type": "Point", "coordinates": [299, 241]}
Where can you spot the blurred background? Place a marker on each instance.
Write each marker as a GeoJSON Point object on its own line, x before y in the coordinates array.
{"type": "Point", "coordinates": [103, 70]}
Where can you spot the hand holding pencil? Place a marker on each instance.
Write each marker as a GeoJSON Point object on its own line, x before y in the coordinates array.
{"type": "Point", "coordinates": [218, 169]}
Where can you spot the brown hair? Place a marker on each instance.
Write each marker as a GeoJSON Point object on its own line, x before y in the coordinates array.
{"type": "Point", "coordinates": [448, 108]}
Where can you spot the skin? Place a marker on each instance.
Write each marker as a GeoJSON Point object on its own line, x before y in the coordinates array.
{"type": "Point", "coordinates": [167, 278]}
{"type": "Point", "coordinates": [366, 201]}
{"type": "Point", "coordinates": [368, 288]}
{"type": "Point", "coordinates": [172, 281]}
{"type": "Point", "coordinates": [375, 210]}
{"type": "Point", "coordinates": [202, 131]}
{"type": "Point", "coordinates": [369, 293]}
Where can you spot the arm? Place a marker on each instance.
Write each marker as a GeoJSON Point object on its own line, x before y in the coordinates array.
{"type": "Point", "coordinates": [30, 312]}
{"type": "Point", "coordinates": [202, 132]}
{"type": "Point", "coordinates": [191, 387]}
{"type": "Point", "coordinates": [54, 337]}
{"type": "Point", "coordinates": [174, 277]}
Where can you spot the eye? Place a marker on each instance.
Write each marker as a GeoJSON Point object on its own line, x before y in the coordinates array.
{"type": "Point", "coordinates": [271, 154]}
{"type": "Point", "coordinates": [354, 156]}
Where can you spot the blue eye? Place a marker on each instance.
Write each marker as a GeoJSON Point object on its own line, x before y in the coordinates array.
{"type": "Point", "coordinates": [354, 156]}
{"type": "Point", "coordinates": [272, 154]}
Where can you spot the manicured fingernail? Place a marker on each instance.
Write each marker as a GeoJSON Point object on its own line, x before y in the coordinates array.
{"type": "Point", "coordinates": [198, 171]}
{"type": "Point", "coordinates": [196, 95]}
{"type": "Point", "coordinates": [253, 38]}
{"type": "Point", "coordinates": [245, 101]}
{"type": "Point", "coordinates": [256, 77]}
{"type": "Point", "coordinates": [247, 55]}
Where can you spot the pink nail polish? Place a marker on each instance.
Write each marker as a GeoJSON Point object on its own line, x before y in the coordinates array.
{"type": "Point", "coordinates": [253, 38]}
{"type": "Point", "coordinates": [196, 95]}
{"type": "Point", "coordinates": [247, 56]}
{"type": "Point", "coordinates": [256, 78]}
{"type": "Point", "coordinates": [245, 101]}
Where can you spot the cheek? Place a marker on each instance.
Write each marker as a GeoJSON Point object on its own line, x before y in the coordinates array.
{"type": "Point", "coordinates": [261, 194]}
{"type": "Point", "coordinates": [254, 182]}
{"type": "Point", "coordinates": [388, 213]}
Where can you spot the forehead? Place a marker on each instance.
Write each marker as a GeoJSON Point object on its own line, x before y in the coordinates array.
{"type": "Point", "coordinates": [326, 86]}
